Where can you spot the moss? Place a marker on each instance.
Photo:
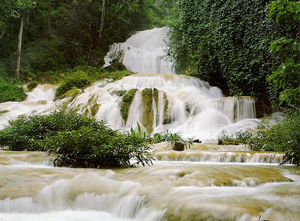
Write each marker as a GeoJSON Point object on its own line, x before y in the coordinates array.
{"type": "Point", "coordinates": [42, 102]}
{"type": "Point", "coordinates": [147, 111]}
{"type": "Point", "coordinates": [95, 109]}
{"type": "Point", "coordinates": [92, 100]}
{"type": "Point", "coordinates": [77, 79]}
{"type": "Point", "coordinates": [73, 92]}
{"type": "Point", "coordinates": [232, 141]}
{"type": "Point", "coordinates": [32, 85]}
{"type": "Point", "coordinates": [156, 96]}
{"type": "Point", "coordinates": [126, 102]}
{"type": "Point", "coordinates": [119, 93]}
{"type": "Point", "coordinates": [166, 109]}
{"type": "Point", "coordinates": [3, 112]}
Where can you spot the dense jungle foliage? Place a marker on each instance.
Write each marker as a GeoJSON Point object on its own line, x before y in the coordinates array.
{"type": "Point", "coordinates": [236, 45]}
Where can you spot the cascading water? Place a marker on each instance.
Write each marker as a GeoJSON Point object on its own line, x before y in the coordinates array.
{"type": "Point", "coordinates": [162, 102]}
{"type": "Point", "coordinates": [143, 52]}
{"type": "Point", "coordinates": [205, 182]}
{"type": "Point", "coordinates": [38, 101]}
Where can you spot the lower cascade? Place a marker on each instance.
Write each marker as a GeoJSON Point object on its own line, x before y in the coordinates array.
{"type": "Point", "coordinates": [181, 189]}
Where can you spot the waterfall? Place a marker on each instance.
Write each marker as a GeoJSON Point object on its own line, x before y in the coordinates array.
{"type": "Point", "coordinates": [143, 52]}
{"type": "Point", "coordinates": [163, 101]}
{"type": "Point", "coordinates": [176, 103]}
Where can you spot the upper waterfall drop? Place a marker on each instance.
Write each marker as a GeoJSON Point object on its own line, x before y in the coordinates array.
{"type": "Point", "coordinates": [143, 52]}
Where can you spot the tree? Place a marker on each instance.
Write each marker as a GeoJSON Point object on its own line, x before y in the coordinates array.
{"type": "Point", "coordinates": [49, 17]}
{"type": "Point", "coordinates": [22, 6]}
{"type": "Point", "coordinates": [287, 50]}
{"type": "Point", "coordinates": [102, 20]}
{"type": "Point", "coordinates": [226, 43]}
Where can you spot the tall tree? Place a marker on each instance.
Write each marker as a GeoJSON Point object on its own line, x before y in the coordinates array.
{"type": "Point", "coordinates": [49, 17]}
{"type": "Point", "coordinates": [17, 74]}
{"type": "Point", "coordinates": [22, 7]}
{"type": "Point", "coordinates": [102, 20]}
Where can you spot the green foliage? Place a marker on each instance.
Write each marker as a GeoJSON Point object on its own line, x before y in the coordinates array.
{"type": "Point", "coordinates": [225, 43]}
{"type": "Point", "coordinates": [240, 137]}
{"type": "Point", "coordinates": [77, 79]}
{"type": "Point", "coordinates": [76, 141]}
{"type": "Point", "coordinates": [287, 50]}
{"type": "Point", "coordinates": [282, 137]}
{"type": "Point", "coordinates": [10, 91]}
{"type": "Point", "coordinates": [287, 12]}
{"type": "Point", "coordinates": [97, 148]}
{"type": "Point", "coordinates": [177, 142]}
{"type": "Point", "coordinates": [126, 102]}
{"type": "Point", "coordinates": [32, 85]}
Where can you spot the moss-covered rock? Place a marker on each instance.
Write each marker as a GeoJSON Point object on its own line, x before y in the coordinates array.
{"type": "Point", "coordinates": [95, 109]}
{"type": "Point", "coordinates": [147, 111]}
{"type": "Point", "coordinates": [126, 102]}
{"type": "Point", "coordinates": [166, 109]}
{"type": "Point", "coordinates": [31, 85]}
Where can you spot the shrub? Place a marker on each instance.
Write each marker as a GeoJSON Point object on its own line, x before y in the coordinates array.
{"type": "Point", "coordinates": [97, 148]}
{"type": "Point", "coordinates": [10, 91]}
{"type": "Point", "coordinates": [177, 142]}
{"type": "Point", "coordinates": [282, 137]}
{"type": "Point", "coordinates": [240, 137]}
{"type": "Point", "coordinates": [27, 131]}
{"type": "Point", "coordinates": [77, 141]}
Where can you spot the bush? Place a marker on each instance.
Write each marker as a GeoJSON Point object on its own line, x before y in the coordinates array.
{"type": "Point", "coordinates": [177, 142]}
{"type": "Point", "coordinates": [26, 132]}
{"type": "Point", "coordinates": [240, 137]}
{"type": "Point", "coordinates": [77, 141]}
{"type": "Point", "coordinates": [282, 137]}
{"type": "Point", "coordinates": [97, 148]}
{"type": "Point", "coordinates": [10, 91]}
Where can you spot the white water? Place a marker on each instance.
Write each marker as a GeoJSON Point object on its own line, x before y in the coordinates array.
{"type": "Point", "coordinates": [143, 52]}
{"type": "Point", "coordinates": [194, 108]}
{"type": "Point", "coordinates": [164, 191]}
{"type": "Point", "coordinates": [38, 101]}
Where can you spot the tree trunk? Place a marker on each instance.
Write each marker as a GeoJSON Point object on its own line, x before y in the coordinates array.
{"type": "Point", "coordinates": [3, 30]}
{"type": "Point", "coordinates": [19, 46]}
{"type": "Point", "coordinates": [102, 20]}
{"type": "Point", "coordinates": [49, 17]}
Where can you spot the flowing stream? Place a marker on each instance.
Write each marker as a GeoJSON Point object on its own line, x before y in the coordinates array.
{"type": "Point", "coordinates": [205, 182]}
